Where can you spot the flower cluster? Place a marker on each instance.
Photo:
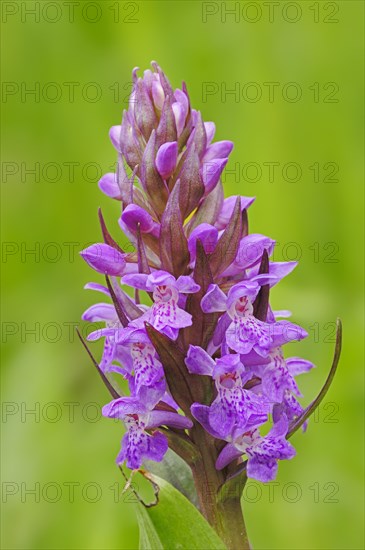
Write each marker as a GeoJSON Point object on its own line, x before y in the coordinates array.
{"type": "Point", "coordinates": [207, 350]}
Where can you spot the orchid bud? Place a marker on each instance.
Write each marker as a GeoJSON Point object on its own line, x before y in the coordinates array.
{"type": "Point", "coordinates": [109, 186]}
{"type": "Point", "coordinates": [136, 217]}
{"type": "Point", "coordinates": [114, 134]}
{"type": "Point", "coordinates": [166, 159]}
{"type": "Point", "coordinates": [158, 94]}
{"type": "Point", "coordinates": [211, 172]}
{"type": "Point", "coordinates": [218, 150]}
{"type": "Point", "coordinates": [210, 131]}
{"type": "Point", "coordinates": [104, 259]}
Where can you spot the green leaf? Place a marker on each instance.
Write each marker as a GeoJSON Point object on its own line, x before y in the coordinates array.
{"type": "Point", "coordinates": [148, 537]}
{"type": "Point", "coordinates": [174, 523]}
{"type": "Point", "coordinates": [176, 471]}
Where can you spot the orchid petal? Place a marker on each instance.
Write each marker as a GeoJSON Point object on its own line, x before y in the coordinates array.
{"type": "Point", "coordinates": [227, 455]}
{"type": "Point", "coordinates": [100, 312]}
{"type": "Point", "coordinates": [198, 361]}
{"type": "Point", "coordinates": [214, 300]}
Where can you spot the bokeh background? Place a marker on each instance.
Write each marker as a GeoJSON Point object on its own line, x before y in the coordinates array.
{"type": "Point", "coordinates": [60, 484]}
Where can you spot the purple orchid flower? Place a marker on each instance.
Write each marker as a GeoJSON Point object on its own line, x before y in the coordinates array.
{"type": "Point", "coordinates": [168, 292]}
{"type": "Point", "coordinates": [262, 452]}
{"type": "Point", "coordinates": [106, 313]}
{"type": "Point", "coordinates": [142, 441]}
{"type": "Point", "coordinates": [278, 382]}
{"type": "Point", "coordinates": [240, 329]}
{"type": "Point", "coordinates": [278, 375]}
{"type": "Point", "coordinates": [129, 346]}
{"type": "Point", "coordinates": [234, 407]}
{"type": "Point", "coordinates": [141, 360]}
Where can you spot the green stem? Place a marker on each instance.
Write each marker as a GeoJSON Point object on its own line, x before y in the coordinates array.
{"type": "Point", "coordinates": [222, 510]}
{"type": "Point", "coordinates": [234, 533]}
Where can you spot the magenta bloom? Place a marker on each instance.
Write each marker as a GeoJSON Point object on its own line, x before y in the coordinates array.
{"type": "Point", "coordinates": [140, 418]}
{"type": "Point", "coordinates": [262, 452]}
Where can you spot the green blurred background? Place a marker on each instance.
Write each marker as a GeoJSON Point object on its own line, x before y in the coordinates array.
{"type": "Point", "coordinates": [317, 47]}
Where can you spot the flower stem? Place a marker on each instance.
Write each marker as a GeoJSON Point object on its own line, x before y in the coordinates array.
{"type": "Point", "coordinates": [222, 512]}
